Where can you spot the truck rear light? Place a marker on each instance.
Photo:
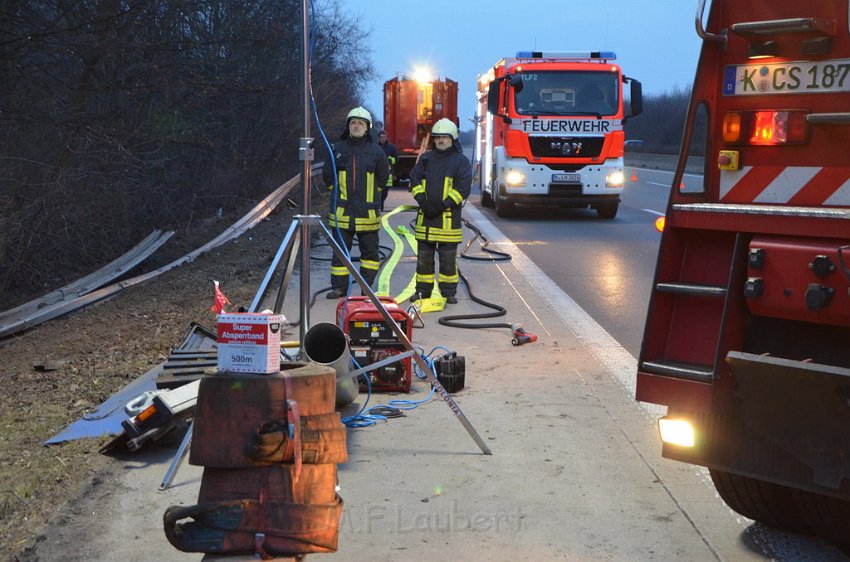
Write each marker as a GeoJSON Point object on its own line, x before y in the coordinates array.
{"type": "Point", "coordinates": [765, 127]}
{"type": "Point", "coordinates": [677, 432]}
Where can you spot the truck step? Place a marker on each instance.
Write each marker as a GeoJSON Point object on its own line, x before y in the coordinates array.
{"type": "Point", "coordinates": [690, 371]}
{"type": "Point", "coordinates": [692, 289]}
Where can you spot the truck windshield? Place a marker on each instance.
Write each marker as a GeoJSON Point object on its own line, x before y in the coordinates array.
{"type": "Point", "coordinates": [568, 93]}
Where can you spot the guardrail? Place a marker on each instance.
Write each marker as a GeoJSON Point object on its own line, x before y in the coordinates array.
{"type": "Point", "coordinates": [85, 291]}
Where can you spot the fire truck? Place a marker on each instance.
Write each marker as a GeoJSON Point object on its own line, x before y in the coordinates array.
{"type": "Point", "coordinates": [411, 107]}
{"type": "Point", "coordinates": [747, 338]}
{"type": "Point", "coordinates": [550, 131]}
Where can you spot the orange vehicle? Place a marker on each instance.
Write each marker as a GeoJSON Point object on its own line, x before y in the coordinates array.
{"type": "Point", "coordinates": [550, 131]}
{"type": "Point", "coordinates": [411, 107]}
{"type": "Point", "coordinates": [746, 338]}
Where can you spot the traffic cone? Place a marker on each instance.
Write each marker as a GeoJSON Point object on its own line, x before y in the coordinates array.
{"type": "Point", "coordinates": [634, 176]}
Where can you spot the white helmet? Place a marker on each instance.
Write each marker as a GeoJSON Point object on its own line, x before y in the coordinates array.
{"type": "Point", "coordinates": [445, 127]}
{"type": "Point", "coordinates": [359, 113]}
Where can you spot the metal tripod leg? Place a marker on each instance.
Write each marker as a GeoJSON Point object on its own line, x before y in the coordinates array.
{"type": "Point", "coordinates": [178, 459]}
{"type": "Point", "coordinates": [423, 365]}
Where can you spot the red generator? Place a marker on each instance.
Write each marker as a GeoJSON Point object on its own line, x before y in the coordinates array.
{"type": "Point", "coordinates": [372, 340]}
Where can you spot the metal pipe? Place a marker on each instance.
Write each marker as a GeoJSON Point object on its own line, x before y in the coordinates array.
{"type": "Point", "coordinates": [306, 154]}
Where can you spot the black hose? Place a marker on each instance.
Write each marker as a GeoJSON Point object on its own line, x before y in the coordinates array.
{"type": "Point", "coordinates": [500, 256]}
{"type": "Point", "coordinates": [452, 321]}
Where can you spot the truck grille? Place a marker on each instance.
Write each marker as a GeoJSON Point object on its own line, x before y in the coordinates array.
{"type": "Point", "coordinates": [566, 147]}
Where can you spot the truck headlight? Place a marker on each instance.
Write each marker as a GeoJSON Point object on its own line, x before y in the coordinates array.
{"type": "Point", "coordinates": [615, 179]}
{"type": "Point", "coordinates": [515, 179]}
{"type": "Point", "coordinates": [677, 432]}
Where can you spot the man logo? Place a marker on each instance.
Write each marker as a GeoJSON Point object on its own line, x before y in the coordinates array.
{"type": "Point", "coordinates": [566, 148]}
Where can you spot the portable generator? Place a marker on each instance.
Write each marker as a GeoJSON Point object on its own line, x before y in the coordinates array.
{"type": "Point", "coordinates": [371, 340]}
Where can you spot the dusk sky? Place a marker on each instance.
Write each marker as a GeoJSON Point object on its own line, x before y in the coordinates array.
{"type": "Point", "coordinates": [655, 40]}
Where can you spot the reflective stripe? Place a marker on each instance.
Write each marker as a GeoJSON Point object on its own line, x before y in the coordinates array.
{"type": "Point", "coordinates": [418, 189]}
{"type": "Point", "coordinates": [448, 278]}
{"type": "Point", "coordinates": [339, 270]}
{"type": "Point", "coordinates": [438, 234]}
{"type": "Point", "coordinates": [343, 185]}
{"type": "Point", "coordinates": [369, 264]}
{"type": "Point", "coordinates": [421, 278]}
{"type": "Point", "coordinates": [370, 187]}
{"type": "Point", "coordinates": [791, 185]}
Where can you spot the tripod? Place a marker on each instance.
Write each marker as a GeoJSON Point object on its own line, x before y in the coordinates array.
{"type": "Point", "coordinates": [300, 229]}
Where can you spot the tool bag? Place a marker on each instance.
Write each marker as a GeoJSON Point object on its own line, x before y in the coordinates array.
{"type": "Point", "coordinates": [269, 445]}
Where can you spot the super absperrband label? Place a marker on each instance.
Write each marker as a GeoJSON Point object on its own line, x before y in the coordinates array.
{"type": "Point", "coordinates": [249, 343]}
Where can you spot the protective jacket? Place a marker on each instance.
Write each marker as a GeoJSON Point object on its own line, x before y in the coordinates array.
{"type": "Point", "coordinates": [362, 170]}
{"type": "Point", "coordinates": [444, 179]}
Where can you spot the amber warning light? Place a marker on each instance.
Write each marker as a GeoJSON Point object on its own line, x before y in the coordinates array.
{"type": "Point", "coordinates": [765, 127]}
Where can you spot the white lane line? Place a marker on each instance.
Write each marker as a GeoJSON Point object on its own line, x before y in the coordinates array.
{"type": "Point", "coordinates": [660, 214]}
{"type": "Point", "coordinates": [619, 363]}
{"type": "Point", "coordinates": [656, 183]}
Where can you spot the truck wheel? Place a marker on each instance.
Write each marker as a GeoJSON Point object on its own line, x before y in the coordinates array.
{"type": "Point", "coordinates": [607, 211]}
{"type": "Point", "coordinates": [502, 208]}
{"type": "Point", "coordinates": [486, 199]}
{"type": "Point", "coordinates": [768, 503]}
{"type": "Point", "coordinates": [829, 516]}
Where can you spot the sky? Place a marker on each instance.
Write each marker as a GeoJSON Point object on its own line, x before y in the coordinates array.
{"type": "Point", "coordinates": [655, 40]}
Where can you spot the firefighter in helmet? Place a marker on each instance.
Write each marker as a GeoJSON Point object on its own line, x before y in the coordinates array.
{"type": "Point", "coordinates": [362, 171]}
{"type": "Point", "coordinates": [441, 181]}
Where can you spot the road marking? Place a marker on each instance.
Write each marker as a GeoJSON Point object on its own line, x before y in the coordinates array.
{"type": "Point", "coordinates": [656, 183]}
{"type": "Point", "coordinates": [653, 212]}
{"type": "Point", "coordinates": [611, 355]}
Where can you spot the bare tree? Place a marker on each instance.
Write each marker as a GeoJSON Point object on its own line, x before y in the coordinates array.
{"type": "Point", "coordinates": [119, 116]}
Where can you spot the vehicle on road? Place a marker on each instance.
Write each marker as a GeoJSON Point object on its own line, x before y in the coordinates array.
{"type": "Point", "coordinates": [411, 107]}
{"type": "Point", "coordinates": [746, 338]}
{"type": "Point", "coordinates": [549, 130]}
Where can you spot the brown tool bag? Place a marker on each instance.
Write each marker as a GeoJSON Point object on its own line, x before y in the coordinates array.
{"type": "Point", "coordinates": [269, 445]}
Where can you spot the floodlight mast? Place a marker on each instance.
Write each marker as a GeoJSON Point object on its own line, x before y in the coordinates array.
{"type": "Point", "coordinates": [305, 153]}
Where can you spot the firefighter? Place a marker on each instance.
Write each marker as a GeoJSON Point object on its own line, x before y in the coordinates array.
{"type": "Point", "coordinates": [392, 156]}
{"type": "Point", "coordinates": [362, 171]}
{"type": "Point", "coordinates": [441, 181]}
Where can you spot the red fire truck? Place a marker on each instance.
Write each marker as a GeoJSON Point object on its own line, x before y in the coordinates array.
{"type": "Point", "coordinates": [411, 107]}
{"type": "Point", "coordinates": [550, 131]}
{"type": "Point", "coordinates": [747, 338]}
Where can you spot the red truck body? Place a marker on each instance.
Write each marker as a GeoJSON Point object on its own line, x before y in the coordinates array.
{"type": "Point", "coordinates": [746, 338]}
{"type": "Point", "coordinates": [411, 108]}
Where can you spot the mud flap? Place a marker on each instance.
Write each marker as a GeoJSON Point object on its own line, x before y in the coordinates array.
{"type": "Point", "coordinates": [803, 408]}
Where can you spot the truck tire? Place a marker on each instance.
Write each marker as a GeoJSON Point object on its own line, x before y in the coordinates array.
{"type": "Point", "coordinates": [828, 516]}
{"type": "Point", "coordinates": [502, 208]}
{"type": "Point", "coordinates": [486, 199]}
{"type": "Point", "coordinates": [765, 502]}
{"type": "Point", "coordinates": [608, 210]}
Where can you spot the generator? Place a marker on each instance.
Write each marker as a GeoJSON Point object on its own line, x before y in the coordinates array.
{"type": "Point", "coordinates": [371, 340]}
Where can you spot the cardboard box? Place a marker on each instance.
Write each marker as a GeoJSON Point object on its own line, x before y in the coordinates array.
{"type": "Point", "coordinates": [249, 342]}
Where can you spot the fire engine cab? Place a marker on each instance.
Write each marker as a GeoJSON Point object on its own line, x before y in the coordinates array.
{"type": "Point", "coordinates": [549, 130]}
{"type": "Point", "coordinates": [747, 338]}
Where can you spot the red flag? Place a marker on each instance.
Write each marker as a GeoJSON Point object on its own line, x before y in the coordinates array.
{"type": "Point", "coordinates": [220, 300]}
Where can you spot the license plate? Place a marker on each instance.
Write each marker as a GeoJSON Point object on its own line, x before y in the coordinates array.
{"type": "Point", "coordinates": [801, 77]}
{"type": "Point", "coordinates": [566, 178]}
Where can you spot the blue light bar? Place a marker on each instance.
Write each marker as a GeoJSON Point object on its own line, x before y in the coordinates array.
{"type": "Point", "coordinates": [572, 55]}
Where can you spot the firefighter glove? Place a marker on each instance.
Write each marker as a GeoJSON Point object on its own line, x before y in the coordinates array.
{"type": "Point", "coordinates": [429, 210]}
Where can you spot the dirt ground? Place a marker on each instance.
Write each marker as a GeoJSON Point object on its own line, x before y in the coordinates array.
{"type": "Point", "coordinates": [58, 371]}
